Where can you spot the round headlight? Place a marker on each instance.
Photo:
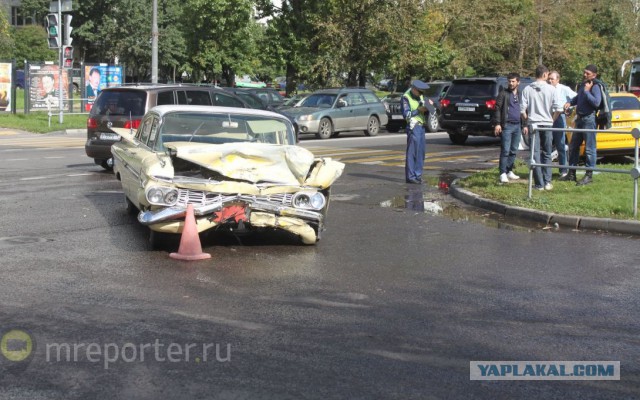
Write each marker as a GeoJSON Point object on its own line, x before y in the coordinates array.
{"type": "Point", "coordinates": [317, 201]}
{"type": "Point", "coordinates": [155, 195]}
{"type": "Point", "coordinates": [171, 197]}
{"type": "Point", "coordinates": [301, 200]}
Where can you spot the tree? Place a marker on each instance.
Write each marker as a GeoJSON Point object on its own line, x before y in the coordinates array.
{"type": "Point", "coordinates": [6, 41]}
{"type": "Point", "coordinates": [31, 45]}
{"type": "Point", "coordinates": [221, 37]}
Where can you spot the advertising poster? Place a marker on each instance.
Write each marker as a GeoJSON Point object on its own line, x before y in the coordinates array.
{"type": "Point", "coordinates": [99, 77]}
{"type": "Point", "coordinates": [5, 86]}
{"type": "Point", "coordinates": [44, 88]}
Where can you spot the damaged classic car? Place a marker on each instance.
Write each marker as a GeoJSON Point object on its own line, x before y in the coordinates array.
{"type": "Point", "coordinates": [240, 169]}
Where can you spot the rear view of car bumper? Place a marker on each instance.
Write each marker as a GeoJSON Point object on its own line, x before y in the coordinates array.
{"type": "Point", "coordinates": [98, 149]}
{"type": "Point", "coordinates": [467, 127]}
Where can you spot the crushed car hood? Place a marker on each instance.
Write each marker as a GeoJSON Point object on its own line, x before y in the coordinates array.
{"type": "Point", "coordinates": [252, 162]}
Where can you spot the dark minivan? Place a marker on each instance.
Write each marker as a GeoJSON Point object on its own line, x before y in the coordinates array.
{"type": "Point", "coordinates": [467, 106]}
{"type": "Point", "coordinates": [124, 107]}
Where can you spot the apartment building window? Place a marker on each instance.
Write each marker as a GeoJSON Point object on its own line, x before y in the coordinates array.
{"type": "Point", "coordinates": [17, 19]}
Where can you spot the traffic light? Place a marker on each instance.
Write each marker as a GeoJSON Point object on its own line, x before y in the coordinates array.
{"type": "Point", "coordinates": [67, 56]}
{"type": "Point", "coordinates": [53, 31]}
{"type": "Point", "coordinates": [67, 29]}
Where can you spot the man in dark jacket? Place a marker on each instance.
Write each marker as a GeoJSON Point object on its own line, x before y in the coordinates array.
{"type": "Point", "coordinates": [507, 124]}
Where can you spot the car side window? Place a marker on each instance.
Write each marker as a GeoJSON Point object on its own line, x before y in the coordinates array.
{"type": "Point", "coordinates": [198, 97]}
{"type": "Point", "coordinates": [143, 133]}
{"type": "Point", "coordinates": [226, 101]}
{"type": "Point", "coordinates": [182, 97]}
{"type": "Point", "coordinates": [355, 99]}
{"type": "Point", "coordinates": [153, 133]}
{"type": "Point", "coordinates": [165, 97]}
{"type": "Point", "coordinates": [371, 98]}
{"type": "Point", "coordinates": [144, 126]}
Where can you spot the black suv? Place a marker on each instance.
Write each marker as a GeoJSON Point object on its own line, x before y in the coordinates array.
{"type": "Point", "coordinates": [468, 105]}
{"type": "Point", "coordinates": [436, 91]}
{"type": "Point", "coordinates": [124, 107]}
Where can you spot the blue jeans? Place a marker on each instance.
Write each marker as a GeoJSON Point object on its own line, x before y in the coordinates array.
{"type": "Point", "coordinates": [559, 140]}
{"type": "Point", "coordinates": [509, 142]}
{"type": "Point", "coordinates": [542, 155]}
{"type": "Point", "coordinates": [588, 122]}
{"type": "Point", "coordinates": [415, 153]}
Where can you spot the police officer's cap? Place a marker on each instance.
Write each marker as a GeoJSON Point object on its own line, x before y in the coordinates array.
{"type": "Point", "coordinates": [418, 84]}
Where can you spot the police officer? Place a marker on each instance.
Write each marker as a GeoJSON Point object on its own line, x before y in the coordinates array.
{"type": "Point", "coordinates": [415, 112]}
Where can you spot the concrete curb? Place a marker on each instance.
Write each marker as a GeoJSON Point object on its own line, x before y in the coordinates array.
{"type": "Point", "coordinates": [568, 221]}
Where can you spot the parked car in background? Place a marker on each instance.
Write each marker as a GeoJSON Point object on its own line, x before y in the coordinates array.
{"type": "Point", "coordinates": [20, 78]}
{"type": "Point", "coordinates": [392, 103]}
{"type": "Point", "coordinates": [249, 82]}
{"type": "Point", "coordinates": [625, 115]}
{"type": "Point", "coordinates": [269, 96]}
{"type": "Point", "coordinates": [293, 101]}
{"type": "Point", "coordinates": [239, 168]}
{"type": "Point", "coordinates": [328, 112]}
{"type": "Point", "coordinates": [124, 106]}
{"type": "Point", "coordinates": [467, 106]}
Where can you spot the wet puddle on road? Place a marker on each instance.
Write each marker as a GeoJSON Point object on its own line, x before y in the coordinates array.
{"type": "Point", "coordinates": [432, 198]}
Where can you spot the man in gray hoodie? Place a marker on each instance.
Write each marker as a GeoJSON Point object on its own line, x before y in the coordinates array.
{"type": "Point", "coordinates": [540, 107]}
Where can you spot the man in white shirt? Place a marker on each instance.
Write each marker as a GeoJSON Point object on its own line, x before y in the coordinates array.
{"type": "Point", "coordinates": [565, 94]}
{"type": "Point", "coordinates": [540, 107]}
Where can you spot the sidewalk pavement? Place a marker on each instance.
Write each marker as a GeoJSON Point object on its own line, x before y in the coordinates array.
{"type": "Point", "coordinates": [569, 221]}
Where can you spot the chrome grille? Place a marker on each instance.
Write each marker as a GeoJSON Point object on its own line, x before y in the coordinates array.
{"type": "Point", "coordinates": [395, 108]}
{"type": "Point", "coordinates": [201, 198]}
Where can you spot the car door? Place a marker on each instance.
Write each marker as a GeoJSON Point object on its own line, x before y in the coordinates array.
{"type": "Point", "coordinates": [359, 111]}
{"type": "Point", "coordinates": [132, 157]}
{"type": "Point", "coordinates": [341, 114]}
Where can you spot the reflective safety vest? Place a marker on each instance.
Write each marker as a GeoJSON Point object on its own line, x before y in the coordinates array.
{"type": "Point", "coordinates": [414, 104]}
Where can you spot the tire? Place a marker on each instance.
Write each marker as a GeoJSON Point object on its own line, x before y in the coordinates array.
{"type": "Point", "coordinates": [373, 126]}
{"type": "Point", "coordinates": [335, 134]}
{"type": "Point", "coordinates": [130, 207]}
{"type": "Point", "coordinates": [457, 138]}
{"type": "Point", "coordinates": [107, 164]}
{"type": "Point", "coordinates": [163, 241]}
{"type": "Point", "coordinates": [393, 128]}
{"type": "Point", "coordinates": [432, 123]}
{"type": "Point", "coordinates": [325, 129]}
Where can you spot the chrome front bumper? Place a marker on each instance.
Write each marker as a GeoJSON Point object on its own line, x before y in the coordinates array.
{"type": "Point", "coordinates": [179, 211]}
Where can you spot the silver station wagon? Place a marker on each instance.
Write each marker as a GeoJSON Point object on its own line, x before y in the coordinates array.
{"type": "Point", "coordinates": [328, 112]}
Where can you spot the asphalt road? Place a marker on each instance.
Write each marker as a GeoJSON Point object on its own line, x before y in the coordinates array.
{"type": "Point", "coordinates": [393, 303]}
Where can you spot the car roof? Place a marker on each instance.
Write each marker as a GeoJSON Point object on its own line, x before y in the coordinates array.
{"type": "Point", "coordinates": [164, 109]}
{"type": "Point", "coordinates": [622, 94]}
{"type": "Point", "coordinates": [342, 90]}
{"type": "Point", "coordinates": [153, 86]}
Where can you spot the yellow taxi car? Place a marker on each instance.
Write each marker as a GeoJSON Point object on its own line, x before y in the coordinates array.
{"type": "Point", "coordinates": [625, 115]}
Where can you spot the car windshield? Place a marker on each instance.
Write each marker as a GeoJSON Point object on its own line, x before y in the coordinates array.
{"type": "Point", "coordinates": [120, 102]}
{"type": "Point", "coordinates": [223, 128]}
{"type": "Point", "coordinates": [471, 89]}
{"type": "Point", "coordinates": [625, 103]}
{"type": "Point", "coordinates": [319, 100]}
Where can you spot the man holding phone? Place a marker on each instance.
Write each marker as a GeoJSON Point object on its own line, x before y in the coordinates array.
{"type": "Point", "coordinates": [587, 102]}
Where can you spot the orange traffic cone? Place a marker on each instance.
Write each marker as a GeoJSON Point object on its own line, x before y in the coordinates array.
{"type": "Point", "coordinates": [190, 248]}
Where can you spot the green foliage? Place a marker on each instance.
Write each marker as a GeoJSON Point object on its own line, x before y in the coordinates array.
{"type": "Point", "coordinates": [6, 41]}
{"type": "Point", "coordinates": [31, 45]}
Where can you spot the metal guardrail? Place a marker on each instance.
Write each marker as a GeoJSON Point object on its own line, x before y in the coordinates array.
{"type": "Point", "coordinates": [634, 172]}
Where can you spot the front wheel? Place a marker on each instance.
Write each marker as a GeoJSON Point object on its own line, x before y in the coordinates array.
{"type": "Point", "coordinates": [432, 123]}
{"type": "Point", "coordinates": [457, 138]}
{"type": "Point", "coordinates": [373, 126]}
{"type": "Point", "coordinates": [163, 241]}
{"type": "Point", "coordinates": [325, 129]}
